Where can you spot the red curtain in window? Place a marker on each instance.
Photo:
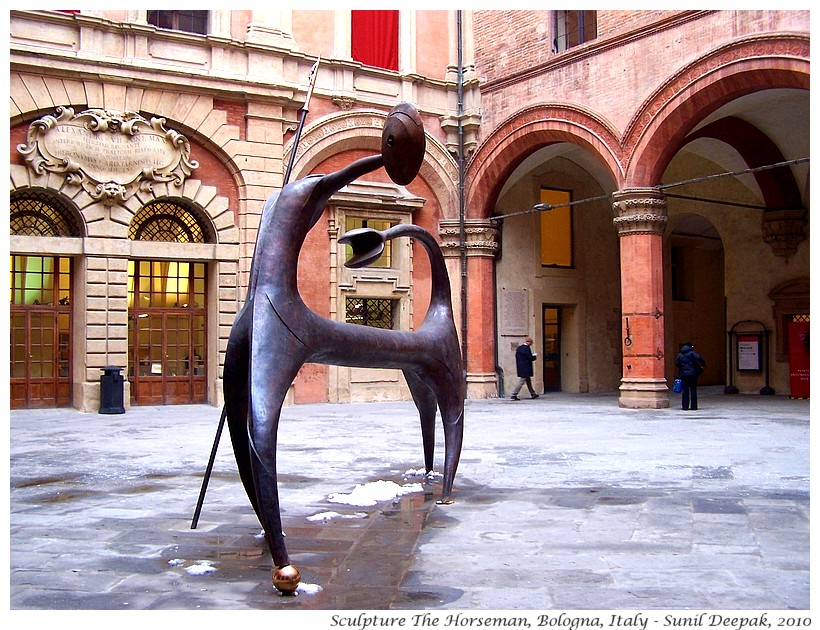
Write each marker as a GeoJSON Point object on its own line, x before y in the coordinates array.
{"type": "Point", "coordinates": [375, 38]}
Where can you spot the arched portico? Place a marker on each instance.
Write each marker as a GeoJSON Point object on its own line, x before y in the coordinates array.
{"type": "Point", "coordinates": [489, 169]}
{"type": "Point", "coordinates": [659, 129]}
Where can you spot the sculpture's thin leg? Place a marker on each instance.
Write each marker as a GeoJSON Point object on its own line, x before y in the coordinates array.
{"type": "Point", "coordinates": [276, 357]}
{"type": "Point", "coordinates": [236, 386]}
{"type": "Point", "coordinates": [450, 394]}
{"type": "Point", "coordinates": [425, 400]}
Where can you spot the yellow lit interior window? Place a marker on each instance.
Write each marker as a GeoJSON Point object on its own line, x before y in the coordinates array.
{"type": "Point", "coordinates": [556, 229]}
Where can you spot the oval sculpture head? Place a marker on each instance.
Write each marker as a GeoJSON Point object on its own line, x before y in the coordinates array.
{"type": "Point", "coordinates": [403, 143]}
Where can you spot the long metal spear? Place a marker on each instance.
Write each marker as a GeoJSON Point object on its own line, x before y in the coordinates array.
{"type": "Point", "coordinates": [302, 116]}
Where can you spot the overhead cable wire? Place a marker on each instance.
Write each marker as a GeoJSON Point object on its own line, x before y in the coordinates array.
{"type": "Point", "coordinates": [546, 207]}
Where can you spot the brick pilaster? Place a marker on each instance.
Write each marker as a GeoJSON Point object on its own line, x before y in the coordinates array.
{"type": "Point", "coordinates": [640, 218]}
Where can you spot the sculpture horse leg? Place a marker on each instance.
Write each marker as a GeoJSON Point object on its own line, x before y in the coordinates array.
{"type": "Point", "coordinates": [425, 400]}
{"type": "Point", "coordinates": [449, 392]}
{"type": "Point", "coordinates": [275, 358]}
{"type": "Point", "coordinates": [236, 386]}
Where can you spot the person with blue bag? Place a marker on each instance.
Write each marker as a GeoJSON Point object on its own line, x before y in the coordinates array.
{"type": "Point", "coordinates": [690, 365]}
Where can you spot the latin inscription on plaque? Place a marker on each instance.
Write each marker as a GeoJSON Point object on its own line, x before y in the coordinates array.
{"type": "Point", "coordinates": [112, 154]}
{"type": "Point", "coordinates": [107, 157]}
{"type": "Point", "coordinates": [515, 307]}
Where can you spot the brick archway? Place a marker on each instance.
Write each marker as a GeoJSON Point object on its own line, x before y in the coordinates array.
{"type": "Point", "coordinates": [659, 127]}
{"type": "Point", "coordinates": [526, 132]}
{"type": "Point", "coordinates": [362, 129]}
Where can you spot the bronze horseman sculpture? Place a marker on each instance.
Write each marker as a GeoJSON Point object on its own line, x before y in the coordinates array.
{"type": "Point", "coordinates": [275, 333]}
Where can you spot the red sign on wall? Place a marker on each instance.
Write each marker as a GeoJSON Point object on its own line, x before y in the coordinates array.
{"type": "Point", "coordinates": [799, 356]}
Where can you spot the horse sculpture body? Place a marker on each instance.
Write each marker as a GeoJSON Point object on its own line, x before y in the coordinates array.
{"type": "Point", "coordinates": [275, 333]}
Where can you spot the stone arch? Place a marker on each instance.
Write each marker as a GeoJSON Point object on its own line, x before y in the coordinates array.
{"type": "Point", "coordinates": [660, 125]}
{"type": "Point", "coordinates": [113, 221]}
{"type": "Point", "coordinates": [64, 220]}
{"type": "Point", "coordinates": [31, 96]}
{"type": "Point", "coordinates": [527, 131]}
{"type": "Point", "coordinates": [362, 129]}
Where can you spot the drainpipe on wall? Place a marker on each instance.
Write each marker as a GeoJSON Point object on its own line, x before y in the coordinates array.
{"type": "Point", "coordinates": [461, 208]}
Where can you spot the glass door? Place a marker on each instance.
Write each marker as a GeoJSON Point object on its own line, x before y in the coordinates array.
{"type": "Point", "coordinates": [40, 332]}
{"type": "Point", "coordinates": [552, 348]}
{"type": "Point", "coordinates": [167, 334]}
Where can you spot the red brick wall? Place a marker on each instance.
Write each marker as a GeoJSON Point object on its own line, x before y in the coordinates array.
{"type": "Point", "coordinates": [212, 172]}
{"type": "Point", "coordinates": [236, 111]}
{"type": "Point", "coordinates": [509, 41]}
{"type": "Point", "coordinates": [18, 135]}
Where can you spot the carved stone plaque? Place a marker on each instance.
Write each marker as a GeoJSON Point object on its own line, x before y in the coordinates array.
{"type": "Point", "coordinates": [111, 154]}
{"type": "Point", "coordinates": [515, 309]}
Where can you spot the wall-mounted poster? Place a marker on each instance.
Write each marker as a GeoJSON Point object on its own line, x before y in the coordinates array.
{"type": "Point", "coordinates": [799, 358]}
{"type": "Point", "coordinates": [748, 352]}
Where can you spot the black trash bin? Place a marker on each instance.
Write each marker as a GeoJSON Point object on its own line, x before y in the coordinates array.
{"type": "Point", "coordinates": [111, 390]}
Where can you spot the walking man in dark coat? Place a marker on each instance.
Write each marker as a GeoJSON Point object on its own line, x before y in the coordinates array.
{"type": "Point", "coordinates": [524, 358]}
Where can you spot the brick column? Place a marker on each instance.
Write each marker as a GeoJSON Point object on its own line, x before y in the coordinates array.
{"type": "Point", "coordinates": [481, 245]}
{"type": "Point", "coordinates": [640, 217]}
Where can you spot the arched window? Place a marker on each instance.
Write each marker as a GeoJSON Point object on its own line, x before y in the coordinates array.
{"type": "Point", "coordinates": [172, 221]}
{"type": "Point", "coordinates": [36, 212]}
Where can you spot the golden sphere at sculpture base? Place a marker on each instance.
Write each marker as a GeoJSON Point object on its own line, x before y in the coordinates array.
{"type": "Point", "coordinates": [286, 579]}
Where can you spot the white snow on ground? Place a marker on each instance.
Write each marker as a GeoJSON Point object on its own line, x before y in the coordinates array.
{"type": "Point", "coordinates": [200, 568]}
{"type": "Point", "coordinates": [420, 472]}
{"type": "Point", "coordinates": [308, 589]}
{"type": "Point", "coordinates": [327, 516]}
{"type": "Point", "coordinates": [372, 493]}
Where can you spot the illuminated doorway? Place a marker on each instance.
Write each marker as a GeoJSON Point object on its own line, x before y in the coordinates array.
{"type": "Point", "coordinates": [167, 332]}
{"type": "Point", "coordinates": [40, 323]}
{"type": "Point", "coordinates": [167, 308]}
{"type": "Point", "coordinates": [552, 348]}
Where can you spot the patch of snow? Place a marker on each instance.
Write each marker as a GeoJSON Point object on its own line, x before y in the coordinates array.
{"type": "Point", "coordinates": [200, 568]}
{"type": "Point", "coordinates": [308, 589]}
{"type": "Point", "coordinates": [176, 562]}
{"type": "Point", "coordinates": [421, 472]}
{"type": "Point", "coordinates": [326, 516]}
{"type": "Point", "coordinates": [372, 493]}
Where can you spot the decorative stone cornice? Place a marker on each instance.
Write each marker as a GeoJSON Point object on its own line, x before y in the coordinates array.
{"type": "Point", "coordinates": [480, 238]}
{"type": "Point", "coordinates": [639, 211]}
{"type": "Point", "coordinates": [784, 230]}
{"type": "Point", "coordinates": [470, 125]}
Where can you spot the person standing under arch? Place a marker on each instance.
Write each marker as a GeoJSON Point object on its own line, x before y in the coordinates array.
{"type": "Point", "coordinates": [690, 365]}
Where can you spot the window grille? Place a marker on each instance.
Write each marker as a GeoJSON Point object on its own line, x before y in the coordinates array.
{"type": "Point", "coordinates": [37, 213]}
{"type": "Point", "coordinates": [168, 221]}
{"type": "Point", "coordinates": [375, 312]}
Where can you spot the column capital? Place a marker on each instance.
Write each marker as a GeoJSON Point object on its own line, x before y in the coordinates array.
{"type": "Point", "coordinates": [639, 211]}
{"type": "Point", "coordinates": [480, 237]}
